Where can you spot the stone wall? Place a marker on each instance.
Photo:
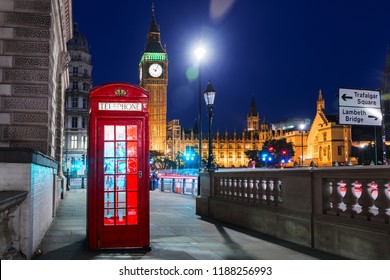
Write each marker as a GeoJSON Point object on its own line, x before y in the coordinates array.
{"type": "Point", "coordinates": [340, 210]}
{"type": "Point", "coordinates": [31, 172]}
{"type": "Point", "coordinates": [33, 74]}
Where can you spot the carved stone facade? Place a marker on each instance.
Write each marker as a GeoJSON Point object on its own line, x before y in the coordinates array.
{"type": "Point", "coordinates": [324, 141]}
{"type": "Point", "coordinates": [33, 76]}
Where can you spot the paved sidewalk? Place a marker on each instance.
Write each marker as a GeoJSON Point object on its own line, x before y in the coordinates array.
{"type": "Point", "coordinates": [176, 233]}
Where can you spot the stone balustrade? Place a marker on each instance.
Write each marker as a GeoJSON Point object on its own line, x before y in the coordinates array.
{"type": "Point", "coordinates": [341, 210]}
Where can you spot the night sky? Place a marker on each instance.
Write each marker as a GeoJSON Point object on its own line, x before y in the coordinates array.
{"type": "Point", "coordinates": [282, 52]}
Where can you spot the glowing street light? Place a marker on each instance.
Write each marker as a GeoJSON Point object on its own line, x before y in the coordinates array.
{"type": "Point", "coordinates": [200, 52]}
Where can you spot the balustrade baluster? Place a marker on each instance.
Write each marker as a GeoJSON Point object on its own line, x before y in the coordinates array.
{"type": "Point", "coordinates": [253, 190]}
{"type": "Point", "coordinates": [225, 187]}
{"type": "Point", "coordinates": [382, 201]}
{"type": "Point", "coordinates": [335, 198]}
{"type": "Point", "coordinates": [243, 189]}
{"type": "Point", "coordinates": [350, 199]}
{"type": "Point", "coordinates": [263, 196]}
{"type": "Point", "coordinates": [366, 201]}
{"type": "Point", "coordinates": [235, 186]}
{"type": "Point", "coordinates": [256, 190]}
{"type": "Point", "coordinates": [229, 189]}
{"type": "Point", "coordinates": [277, 191]}
{"type": "Point", "coordinates": [250, 189]}
{"type": "Point", "coordinates": [268, 192]}
{"type": "Point", "coordinates": [238, 188]}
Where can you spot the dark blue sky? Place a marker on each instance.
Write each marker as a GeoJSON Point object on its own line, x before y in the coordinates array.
{"type": "Point", "coordinates": [282, 52]}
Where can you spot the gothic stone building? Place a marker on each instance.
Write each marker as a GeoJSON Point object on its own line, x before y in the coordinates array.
{"type": "Point", "coordinates": [324, 143]}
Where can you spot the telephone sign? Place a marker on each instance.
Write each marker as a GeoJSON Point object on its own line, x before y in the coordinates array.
{"type": "Point", "coordinates": [118, 180]}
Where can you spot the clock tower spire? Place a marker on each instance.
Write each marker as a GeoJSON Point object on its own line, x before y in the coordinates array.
{"type": "Point", "coordinates": [153, 71]}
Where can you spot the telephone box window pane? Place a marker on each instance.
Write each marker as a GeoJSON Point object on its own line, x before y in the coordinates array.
{"type": "Point", "coordinates": [131, 165]}
{"type": "Point", "coordinates": [109, 149]}
{"type": "Point", "coordinates": [109, 166]}
{"type": "Point", "coordinates": [121, 168]}
{"type": "Point", "coordinates": [108, 200]}
{"type": "Point", "coordinates": [132, 199]}
{"type": "Point", "coordinates": [132, 216]}
{"type": "Point", "coordinates": [120, 132]}
{"type": "Point", "coordinates": [121, 217]}
{"type": "Point", "coordinates": [108, 217]}
{"type": "Point", "coordinates": [131, 149]}
{"type": "Point", "coordinates": [120, 149]}
{"type": "Point", "coordinates": [120, 200]}
{"type": "Point", "coordinates": [132, 183]}
{"type": "Point", "coordinates": [131, 132]}
{"type": "Point", "coordinates": [108, 183]}
{"type": "Point", "coordinates": [121, 182]}
{"type": "Point", "coordinates": [108, 132]}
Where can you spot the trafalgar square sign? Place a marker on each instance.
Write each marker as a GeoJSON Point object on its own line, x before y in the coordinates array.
{"type": "Point", "coordinates": [360, 107]}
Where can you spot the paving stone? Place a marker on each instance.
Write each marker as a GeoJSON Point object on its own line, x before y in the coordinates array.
{"type": "Point", "coordinates": [176, 233]}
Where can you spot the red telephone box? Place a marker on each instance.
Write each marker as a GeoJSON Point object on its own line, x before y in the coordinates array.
{"type": "Point", "coordinates": [118, 171]}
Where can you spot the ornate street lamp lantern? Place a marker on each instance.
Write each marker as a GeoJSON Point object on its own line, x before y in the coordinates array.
{"type": "Point", "coordinates": [209, 97]}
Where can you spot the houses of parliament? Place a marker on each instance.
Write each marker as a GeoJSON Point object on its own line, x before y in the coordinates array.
{"type": "Point", "coordinates": [323, 141]}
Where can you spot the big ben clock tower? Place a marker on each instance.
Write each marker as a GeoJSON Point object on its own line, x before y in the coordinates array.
{"type": "Point", "coordinates": [153, 71]}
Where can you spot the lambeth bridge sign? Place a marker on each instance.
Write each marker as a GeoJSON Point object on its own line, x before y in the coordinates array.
{"type": "Point", "coordinates": [360, 107]}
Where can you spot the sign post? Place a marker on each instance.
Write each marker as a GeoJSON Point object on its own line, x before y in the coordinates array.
{"type": "Point", "coordinates": [360, 107]}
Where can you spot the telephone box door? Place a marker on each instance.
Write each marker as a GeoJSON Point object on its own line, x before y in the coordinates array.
{"type": "Point", "coordinates": [118, 172]}
{"type": "Point", "coordinates": [119, 157]}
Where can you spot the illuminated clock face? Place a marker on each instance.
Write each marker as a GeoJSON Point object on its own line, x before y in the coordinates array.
{"type": "Point", "coordinates": [155, 70]}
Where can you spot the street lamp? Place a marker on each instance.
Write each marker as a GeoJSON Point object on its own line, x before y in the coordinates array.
{"type": "Point", "coordinates": [209, 96]}
{"type": "Point", "coordinates": [199, 54]}
{"type": "Point", "coordinates": [302, 127]}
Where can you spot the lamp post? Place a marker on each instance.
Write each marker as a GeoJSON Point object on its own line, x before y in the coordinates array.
{"type": "Point", "coordinates": [362, 150]}
{"type": "Point", "coordinates": [199, 54]}
{"type": "Point", "coordinates": [209, 97]}
{"type": "Point", "coordinates": [302, 127]}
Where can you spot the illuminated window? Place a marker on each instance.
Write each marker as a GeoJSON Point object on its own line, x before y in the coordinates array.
{"type": "Point", "coordinates": [73, 142]}
{"type": "Point", "coordinates": [84, 141]}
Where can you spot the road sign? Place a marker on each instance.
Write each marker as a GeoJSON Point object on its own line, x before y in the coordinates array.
{"type": "Point", "coordinates": [360, 107]}
{"type": "Point", "coordinates": [360, 116]}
